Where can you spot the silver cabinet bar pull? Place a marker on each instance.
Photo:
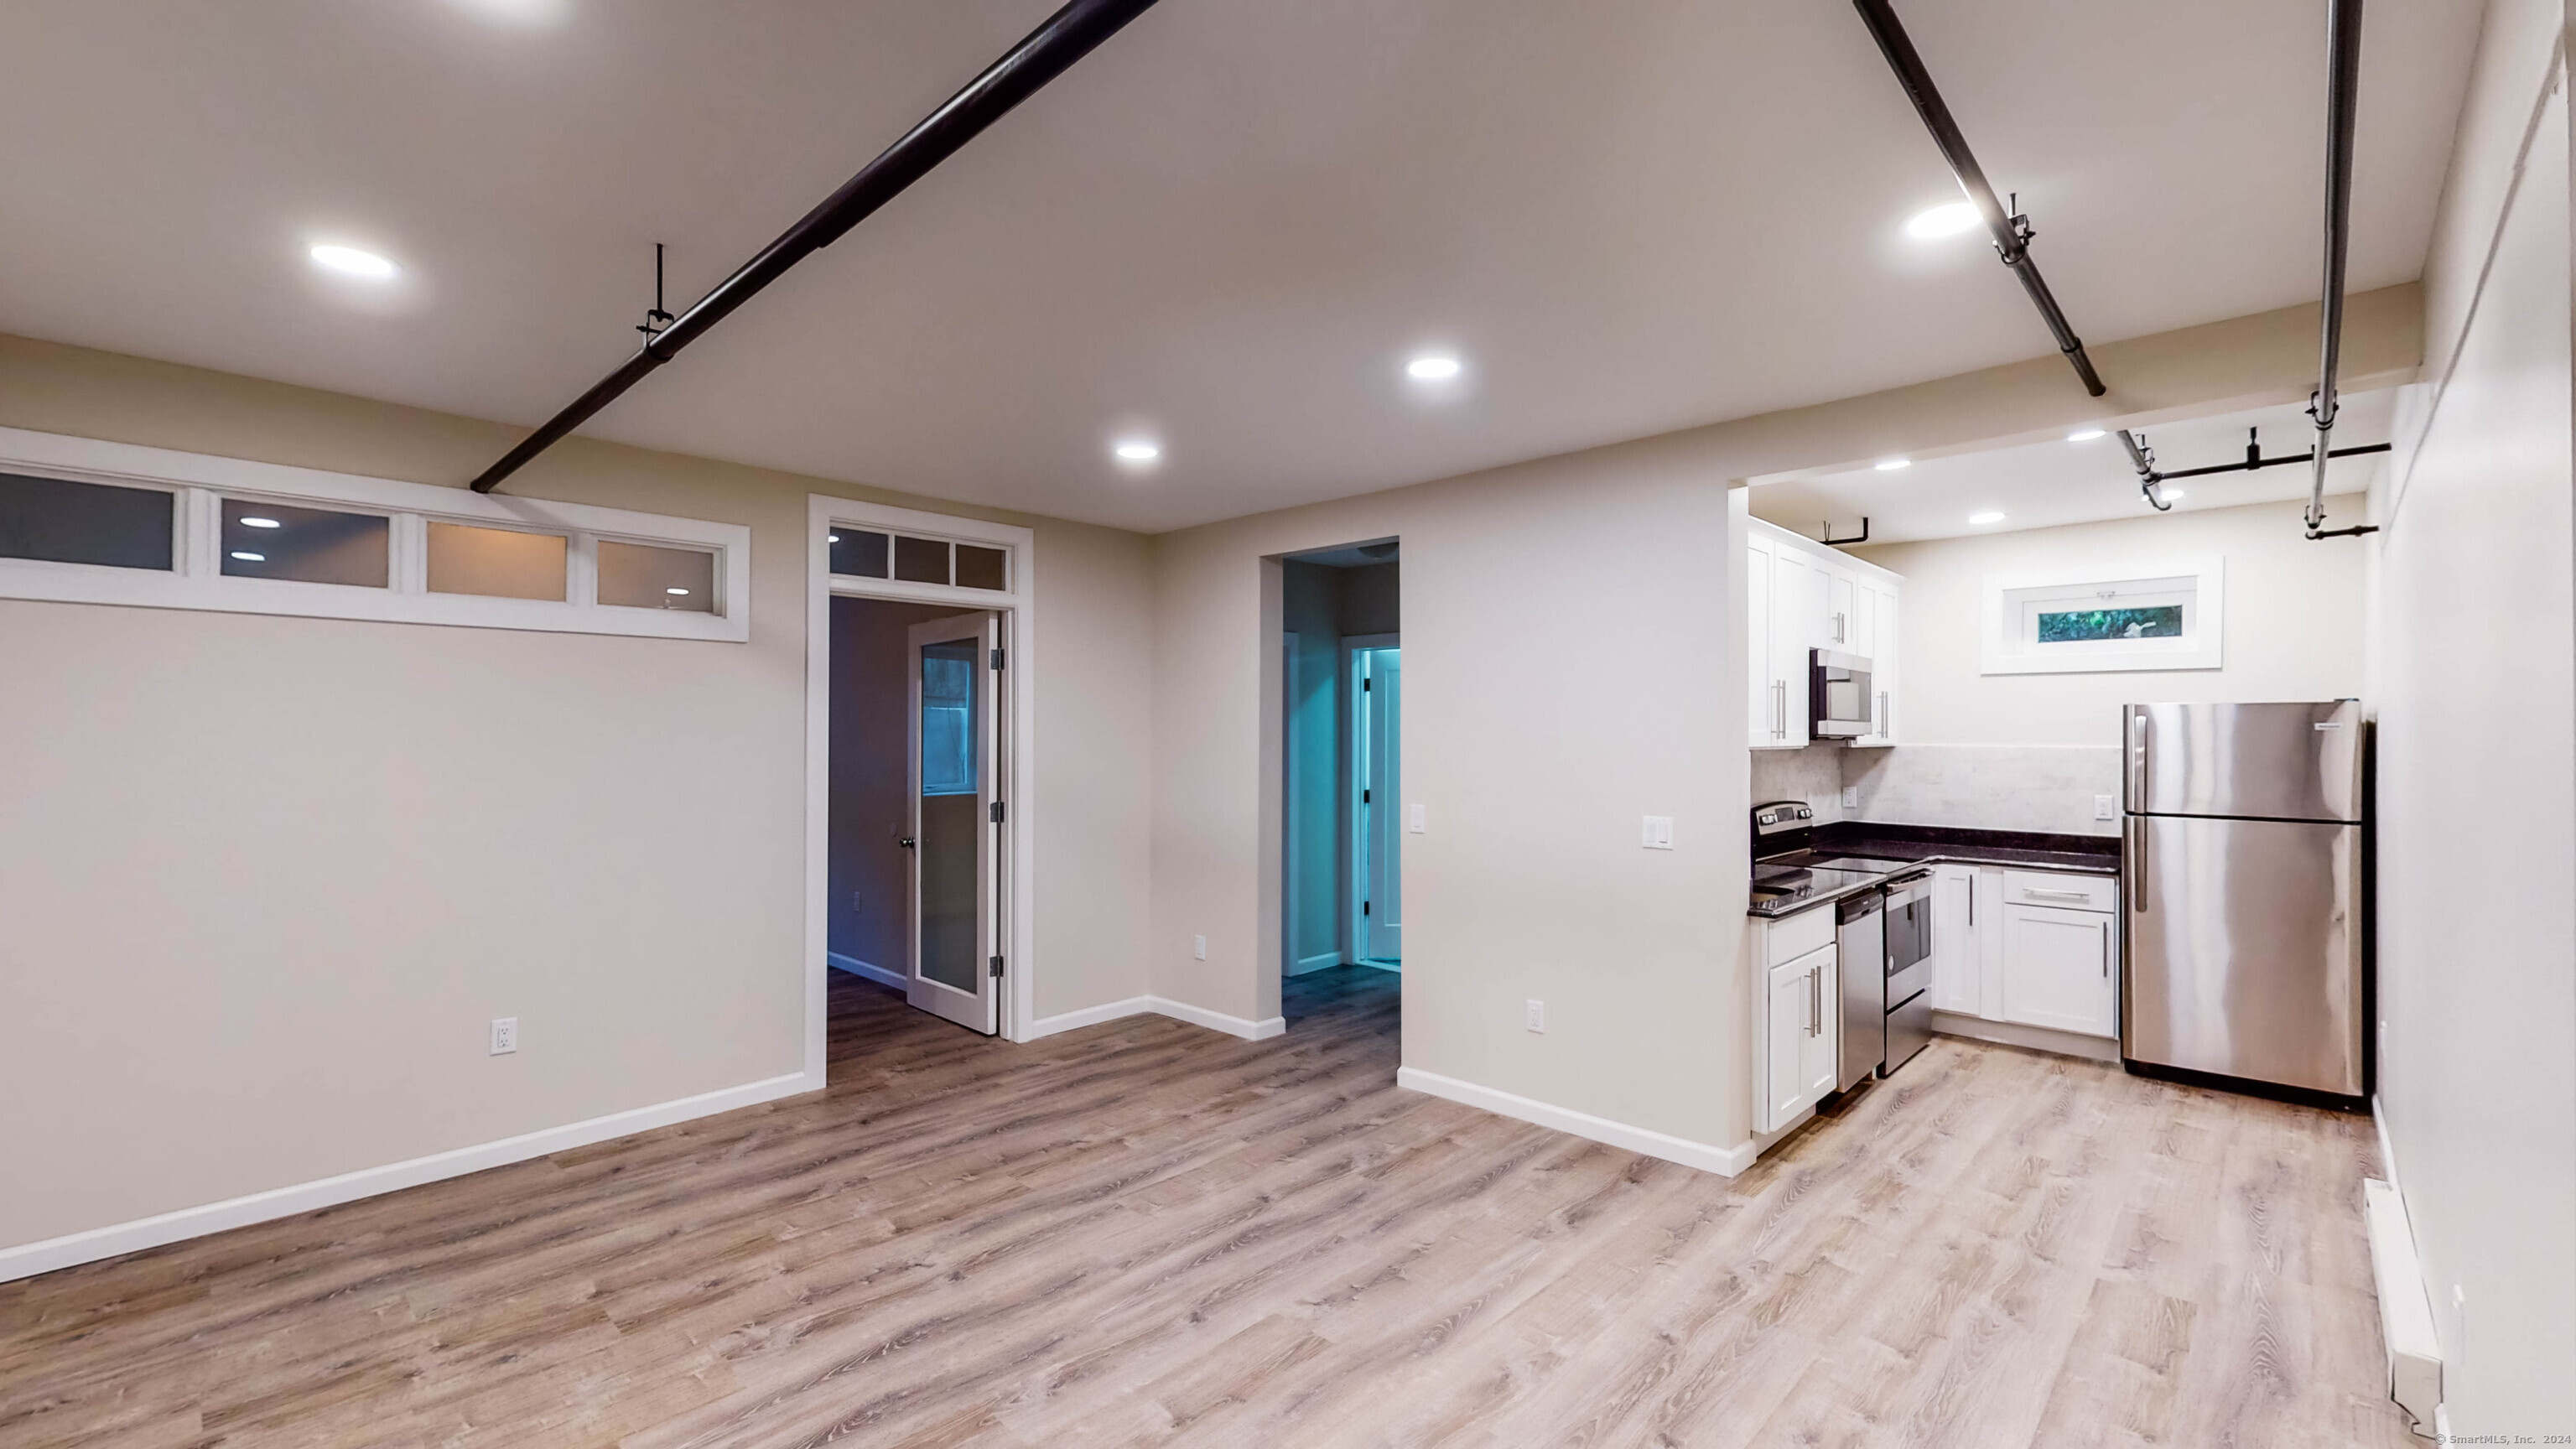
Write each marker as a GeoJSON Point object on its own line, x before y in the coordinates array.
{"type": "Point", "coordinates": [2056, 895]}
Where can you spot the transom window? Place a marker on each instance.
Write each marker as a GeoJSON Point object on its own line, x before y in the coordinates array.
{"type": "Point", "coordinates": [92, 522]}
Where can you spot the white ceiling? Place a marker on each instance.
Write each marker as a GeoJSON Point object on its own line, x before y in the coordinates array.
{"type": "Point", "coordinates": [1229, 227]}
{"type": "Point", "coordinates": [2044, 485]}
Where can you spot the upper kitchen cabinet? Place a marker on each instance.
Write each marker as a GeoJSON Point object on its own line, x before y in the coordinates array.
{"type": "Point", "coordinates": [1801, 596]}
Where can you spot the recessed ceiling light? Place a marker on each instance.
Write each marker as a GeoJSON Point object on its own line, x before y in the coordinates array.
{"type": "Point", "coordinates": [1433, 368]}
{"type": "Point", "coordinates": [1947, 219]}
{"type": "Point", "coordinates": [833, 537]}
{"type": "Point", "coordinates": [355, 263]}
{"type": "Point", "coordinates": [248, 557]}
{"type": "Point", "coordinates": [259, 523]}
{"type": "Point", "coordinates": [1985, 518]}
{"type": "Point", "coordinates": [677, 593]}
{"type": "Point", "coordinates": [1890, 465]}
{"type": "Point", "coordinates": [2170, 493]}
{"type": "Point", "coordinates": [1138, 450]}
{"type": "Point", "coordinates": [2084, 435]}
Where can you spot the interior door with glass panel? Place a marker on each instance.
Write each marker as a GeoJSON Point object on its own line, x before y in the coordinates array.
{"type": "Point", "coordinates": [957, 821]}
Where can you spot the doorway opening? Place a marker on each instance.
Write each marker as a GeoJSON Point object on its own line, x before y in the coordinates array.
{"type": "Point", "coordinates": [1342, 881]}
{"type": "Point", "coordinates": [916, 852]}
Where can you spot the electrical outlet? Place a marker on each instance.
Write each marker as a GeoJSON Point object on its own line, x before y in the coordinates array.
{"type": "Point", "coordinates": [2104, 808]}
{"type": "Point", "coordinates": [1537, 1015]}
{"type": "Point", "coordinates": [1414, 819]}
{"type": "Point", "coordinates": [1659, 832]}
{"type": "Point", "coordinates": [1198, 947]}
{"type": "Point", "coordinates": [505, 1035]}
{"type": "Point", "coordinates": [1851, 797]}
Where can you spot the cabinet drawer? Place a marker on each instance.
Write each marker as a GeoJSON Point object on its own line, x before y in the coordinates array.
{"type": "Point", "coordinates": [2065, 892]}
{"type": "Point", "coordinates": [1791, 937]}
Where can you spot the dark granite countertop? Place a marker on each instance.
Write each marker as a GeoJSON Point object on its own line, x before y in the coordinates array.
{"type": "Point", "coordinates": [2084, 854]}
{"type": "Point", "coordinates": [1932, 844]}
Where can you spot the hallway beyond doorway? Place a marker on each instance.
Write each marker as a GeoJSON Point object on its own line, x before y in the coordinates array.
{"type": "Point", "coordinates": [1341, 665]}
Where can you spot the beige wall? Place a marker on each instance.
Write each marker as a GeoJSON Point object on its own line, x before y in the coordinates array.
{"type": "Point", "coordinates": [1572, 664]}
{"type": "Point", "coordinates": [2293, 626]}
{"type": "Point", "coordinates": [2474, 676]}
{"type": "Point", "coordinates": [264, 881]}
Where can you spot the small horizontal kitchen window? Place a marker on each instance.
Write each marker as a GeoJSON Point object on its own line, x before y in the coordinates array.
{"type": "Point", "coordinates": [2162, 615]}
{"type": "Point", "coordinates": [87, 521]}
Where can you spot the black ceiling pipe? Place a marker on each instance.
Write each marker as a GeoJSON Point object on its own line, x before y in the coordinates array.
{"type": "Point", "coordinates": [2343, 95]}
{"type": "Point", "coordinates": [1066, 37]}
{"type": "Point", "coordinates": [2012, 233]}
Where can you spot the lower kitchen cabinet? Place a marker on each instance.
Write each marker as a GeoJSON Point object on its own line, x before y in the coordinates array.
{"type": "Point", "coordinates": [1801, 1036]}
{"type": "Point", "coordinates": [1965, 935]}
{"type": "Point", "coordinates": [2061, 969]}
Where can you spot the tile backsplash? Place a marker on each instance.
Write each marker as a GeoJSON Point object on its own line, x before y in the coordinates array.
{"type": "Point", "coordinates": [1814, 774]}
{"type": "Point", "coordinates": [1976, 787]}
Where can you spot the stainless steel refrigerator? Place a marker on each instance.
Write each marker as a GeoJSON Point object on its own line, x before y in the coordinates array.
{"type": "Point", "coordinates": [2241, 892]}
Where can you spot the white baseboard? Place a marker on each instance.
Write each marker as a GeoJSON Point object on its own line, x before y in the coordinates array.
{"type": "Point", "coordinates": [2036, 1038]}
{"type": "Point", "coordinates": [1323, 961]}
{"type": "Point", "coordinates": [29, 1259]}
{"type": "Point", "coordinates": [1157, 1006]}
{"type": "Point", "coordinates": [1243, 1027]}
{"type": "Point", "coordinates": [868, 969]}
{"type": "Point", "coordinates": [1087, 1016]}
{"type": "Point", "coordinates": [2405, 1310]}
{"type": "Point", "coordinates": [1724, 1161]}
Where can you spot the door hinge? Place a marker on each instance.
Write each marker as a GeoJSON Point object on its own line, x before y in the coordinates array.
{"type": "Point", "coordinates": [1364, 907]}
{"type": "Point", "coordinates": [1367, 684]}
{"type": "Point", "coordinates": [997, 812]}
{"type": "Point", "coordinates": [997, 659]}
{"type": "Point", "coordinates": [1364, 797]}
{"type": "Point", "coordinates": [997, 967]}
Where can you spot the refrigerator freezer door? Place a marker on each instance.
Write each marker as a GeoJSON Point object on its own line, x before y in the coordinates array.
{"type": "Point", "coordinates": [2268, 761]}
{"type": "Point", "coordinates": [2243, 949]}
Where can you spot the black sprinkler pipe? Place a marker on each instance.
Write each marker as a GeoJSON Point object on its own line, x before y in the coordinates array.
{"type": "Point", "coordinates": [2012, 233]}
{"type": "Point", "coordinates": [1067, 36]}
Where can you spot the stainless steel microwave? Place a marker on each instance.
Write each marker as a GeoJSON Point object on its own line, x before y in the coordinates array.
{"type": "Point", "coordinates": [1838, 696]}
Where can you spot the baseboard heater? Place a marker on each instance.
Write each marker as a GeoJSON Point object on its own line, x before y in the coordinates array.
{"type": "Point", "coordinates": [2405, 1314]}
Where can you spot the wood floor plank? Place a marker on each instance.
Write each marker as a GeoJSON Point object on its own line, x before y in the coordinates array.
{"type": "Point", "coordinates": [1148, 1234]}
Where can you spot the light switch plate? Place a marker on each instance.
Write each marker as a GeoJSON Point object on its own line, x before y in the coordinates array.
{"type": "Point", "coordinates": [2105, 808]}
{"type": "Point", "coordinates": [1198, 947]}
{"type": "Point", "coordinates": [1659, 832]}
{"type": "Point", "coordinates": [505, 1035]}
{"type": "Point", "coordinates": [1851, 797]}
{"type": "Point", "coordinates": [1537, 1017]}
{"type": "Point", "coordinates": [1413, 819]}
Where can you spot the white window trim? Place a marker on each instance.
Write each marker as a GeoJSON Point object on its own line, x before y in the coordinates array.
{"type": "Point", "coordinates": [196, 580]}
{"type": "Point", "coordinates": [2003, 651]}
{"type": "Point", "coordinates": [1018, 783]}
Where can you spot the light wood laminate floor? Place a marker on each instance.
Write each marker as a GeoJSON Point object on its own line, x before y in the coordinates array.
{"type": "Point", "coordinates": [1145, 1233]}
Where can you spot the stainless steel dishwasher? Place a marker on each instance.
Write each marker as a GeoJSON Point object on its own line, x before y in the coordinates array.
{"type": "Point", "coordinates": [1860, 923]}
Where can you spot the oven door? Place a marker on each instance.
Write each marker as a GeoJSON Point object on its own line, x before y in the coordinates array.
{"type": "Point", "coordinates": [1909, 938]}
{"type": "Point", "coordinates": [1838, 697]}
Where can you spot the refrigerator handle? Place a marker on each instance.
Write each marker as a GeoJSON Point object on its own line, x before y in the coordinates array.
{"type": "Point", "coordinates": [2133, 862]}
{"type": "Point", "coordinates": [2139, 739]}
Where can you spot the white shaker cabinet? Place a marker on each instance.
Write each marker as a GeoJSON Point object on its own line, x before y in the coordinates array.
{"type": "Point", "coordinates": [2061, 969]}
{"type": "Point", "coordinates": [1803, 1036]}
{"type": "Point", "coordinates": [1962, 928]}
{"type": "Point", "coordinates": [1802, 596]}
